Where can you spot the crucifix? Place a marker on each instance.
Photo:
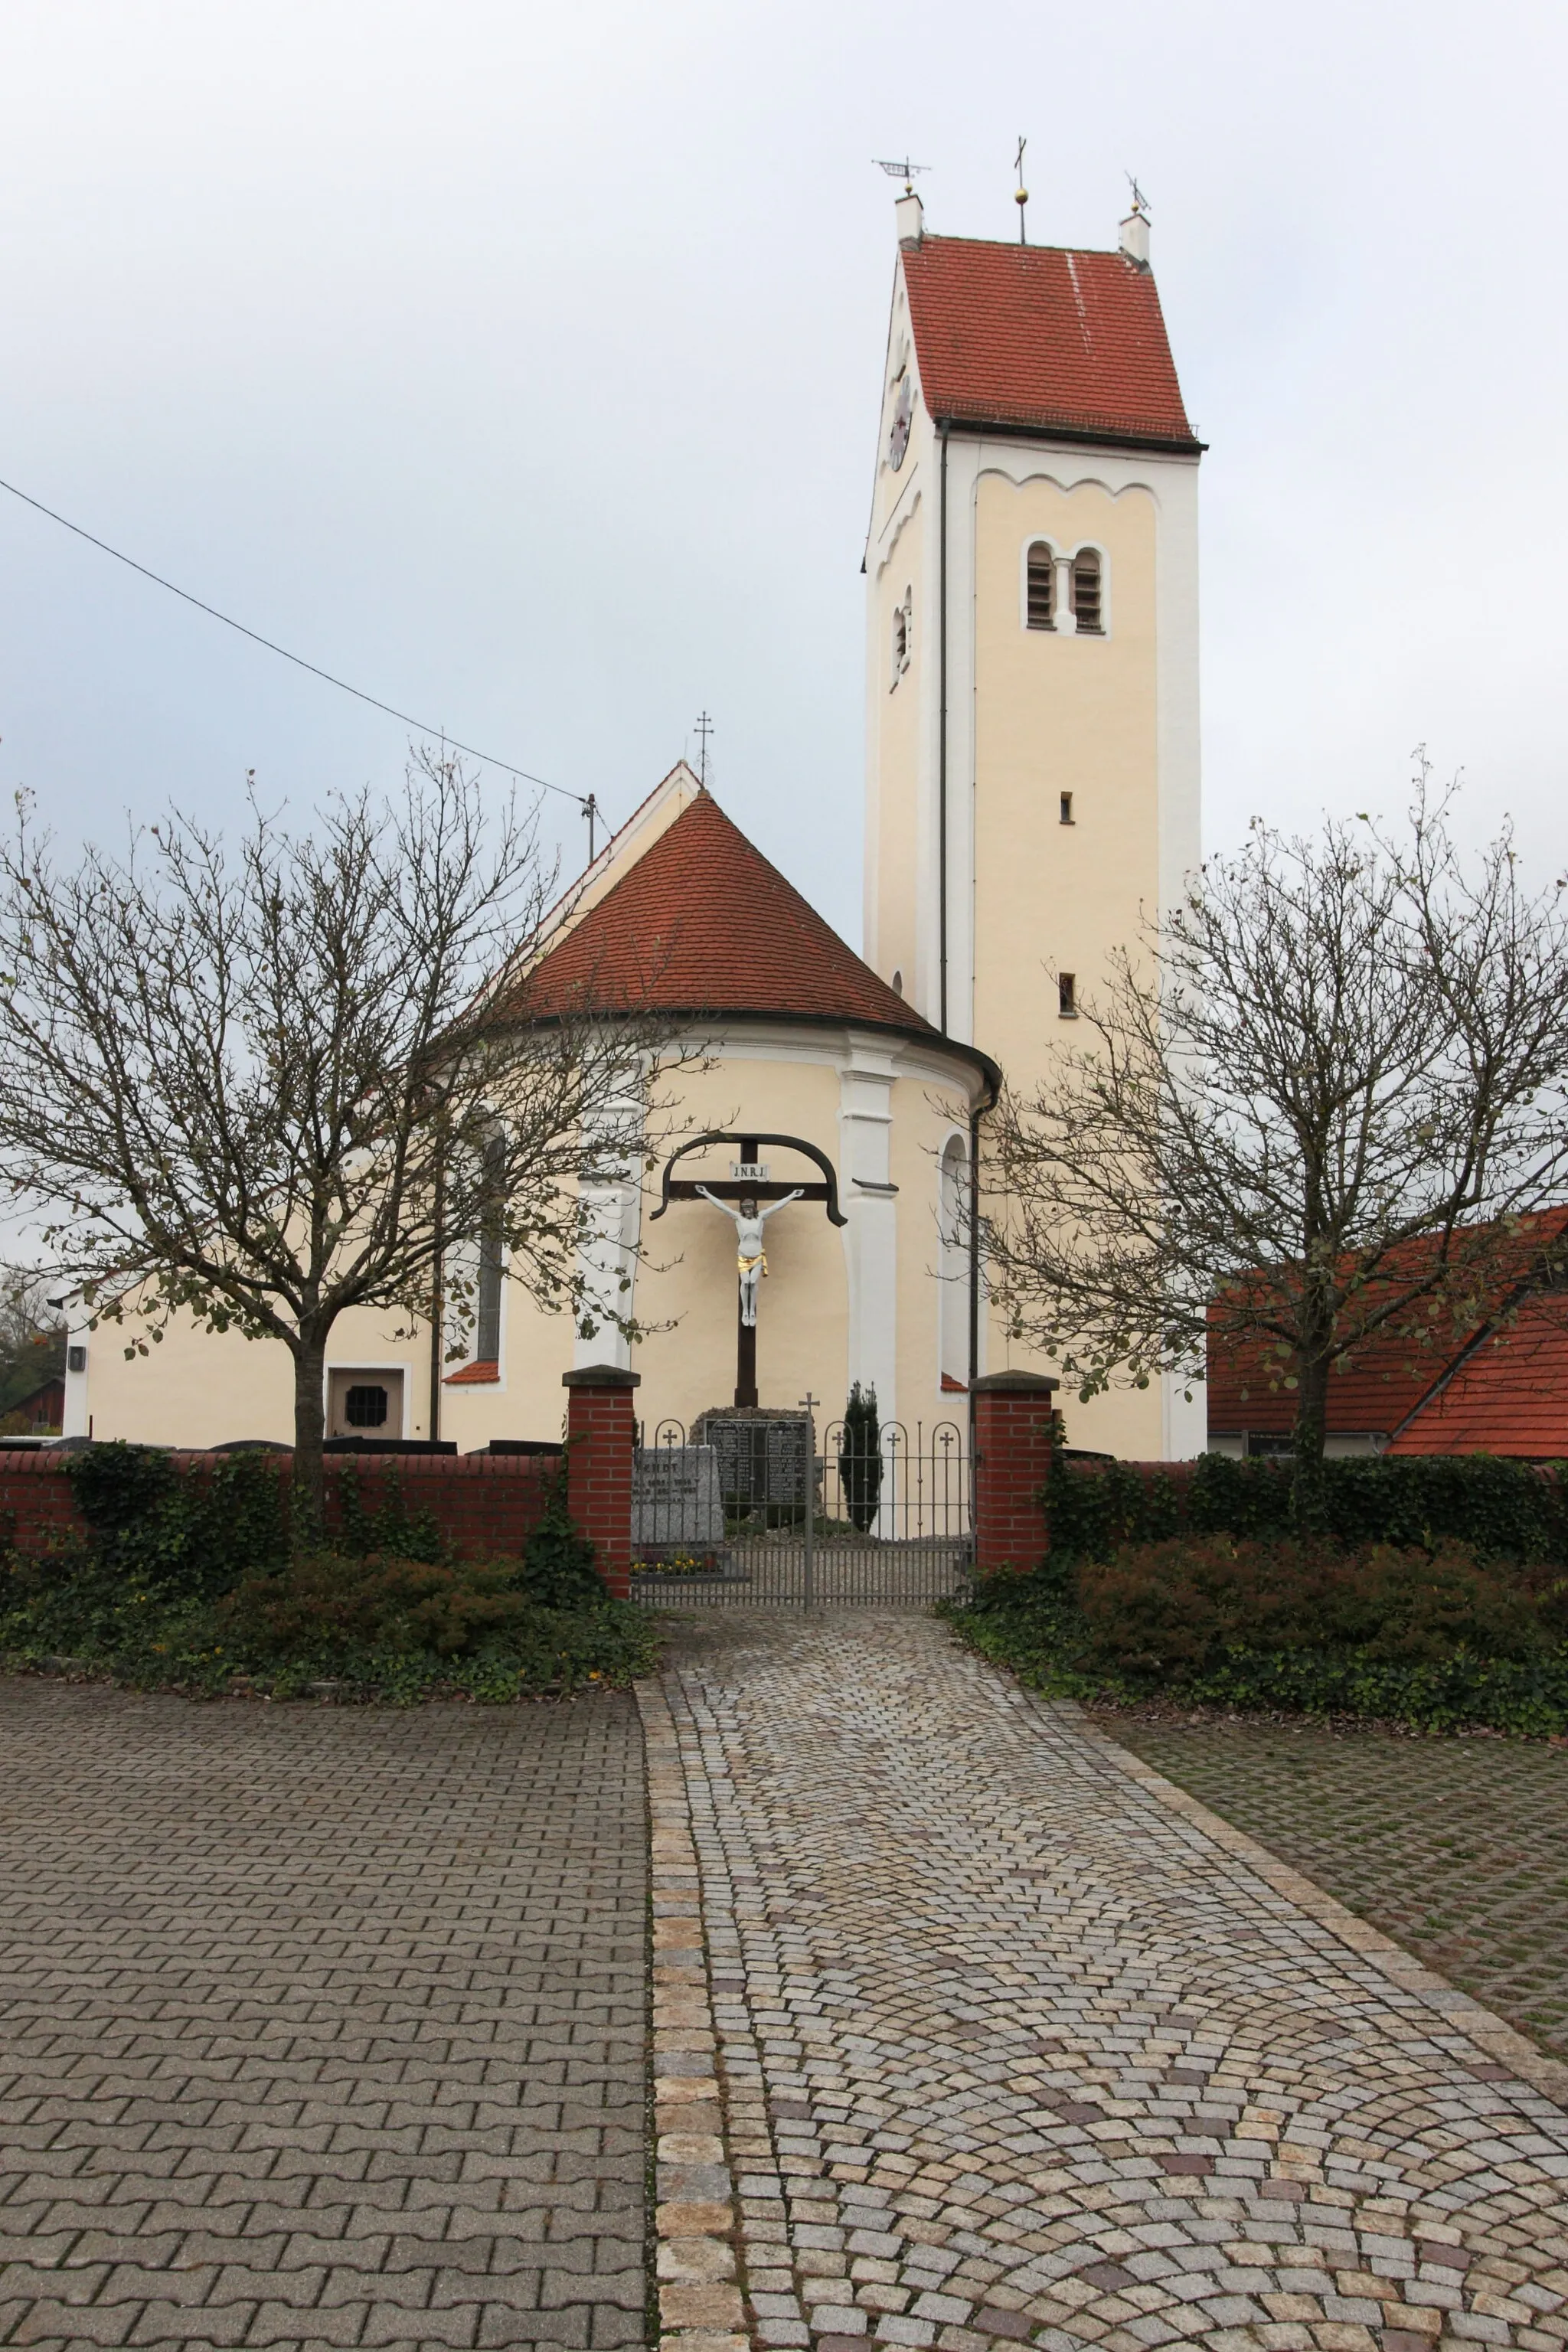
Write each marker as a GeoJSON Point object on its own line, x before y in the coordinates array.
{"type": "Point", "coordinates": [741, 1197]}
{"type": "Point", "coordinates": [750, 1257]}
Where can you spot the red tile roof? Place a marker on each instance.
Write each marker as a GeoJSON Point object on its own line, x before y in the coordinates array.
{"type": "Point", "coordinates": [1388, 1380]}
{"type": "Point", "coordinates": [1391, 1375]}
{"type": "Point", "coordinates": [1509, 1396]}
{"type": "Point", "coordinates": [703, 924]}
{"type": "Point", "coordinates": [1035, 336]}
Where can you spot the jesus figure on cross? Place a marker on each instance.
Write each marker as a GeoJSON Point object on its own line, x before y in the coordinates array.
{"type": "Point", "coordinates": [750, 1258]}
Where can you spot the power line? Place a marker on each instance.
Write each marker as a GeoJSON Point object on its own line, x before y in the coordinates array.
{"type": "Point", "coordinates": [419, 725]}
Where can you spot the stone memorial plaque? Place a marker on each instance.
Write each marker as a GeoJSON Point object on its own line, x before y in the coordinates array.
{"type": "Point", "coordinates": [676, 1501]}
{"type": "Point", "coordinates": [764, 1459]}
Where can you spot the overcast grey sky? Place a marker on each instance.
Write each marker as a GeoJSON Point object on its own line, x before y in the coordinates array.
{"type": "Point", "coordinates": [521, 363]}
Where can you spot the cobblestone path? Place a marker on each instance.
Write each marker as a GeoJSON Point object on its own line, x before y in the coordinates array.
{"type": "Point", "coordinates": [319, 2026]}
{"type": "Point", "coordinates": [1015, 2048]}
{"type": "Point", "coordinates": [1457, 1848]}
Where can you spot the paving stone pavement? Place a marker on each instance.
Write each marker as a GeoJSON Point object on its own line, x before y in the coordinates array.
{"type": "Point", "coordinates": [321, 2026]}
{"type": "Point", "coordinates": [1013, 2047]}
{"type": "Point", "coordinates": [1457, 1848]}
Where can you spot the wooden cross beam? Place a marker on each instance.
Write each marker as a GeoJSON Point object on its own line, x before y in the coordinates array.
{"type": "Point", "coordinates": [746, 1188]}
{"type": "Point", "coordinates": [740, 1187]}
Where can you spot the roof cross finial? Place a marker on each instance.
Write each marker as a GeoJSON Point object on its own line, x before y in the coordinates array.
{"type": "Point", "coordinates": [905, 171]}
{"type": "Point", "coordinates": [1021, 194]}
{"type": "Point", "coordinates": [1140, 201]}
{"type": "Point", "coordinates": [704, 729]}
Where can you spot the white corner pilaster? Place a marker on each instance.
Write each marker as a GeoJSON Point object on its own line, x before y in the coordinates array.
{"type": "Point", "coordinates": [607, 1246]}
{"type": "Point", "coordinates": [869, 1200]}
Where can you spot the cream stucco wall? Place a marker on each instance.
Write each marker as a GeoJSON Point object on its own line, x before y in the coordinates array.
{"type": "Point", "coordinates": [839, 1304]}
{"type": "Point", "coordinates": [1057, 713]}
{"type": "Point", "coordinates": [199, 1388]}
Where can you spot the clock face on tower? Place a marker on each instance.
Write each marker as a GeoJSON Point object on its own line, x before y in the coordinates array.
{"type": "Point", "coordinates": [898, 431]}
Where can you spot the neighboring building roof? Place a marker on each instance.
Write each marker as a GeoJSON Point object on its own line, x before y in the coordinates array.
{"type": "Point", "coordinates": [1038, 337]}
{"type": "Point", "coordinates": [1387, 1382]}
{"type": "Point", "coordinates": [703, 924]}
{"type": "Point", "coordinates": [1396, 1375]}
{"type": "Point", "coordinates": [1508, 1395]}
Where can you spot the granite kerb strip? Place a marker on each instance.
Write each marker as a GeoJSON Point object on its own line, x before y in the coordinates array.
{"type": "Point", "coordinates": [1463, 2015]}
{"type": "Point", "coordinates": [699, 2299]}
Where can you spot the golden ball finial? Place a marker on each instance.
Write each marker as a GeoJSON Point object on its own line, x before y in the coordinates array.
{"type": "Point", "coordinates": [1021, 196]}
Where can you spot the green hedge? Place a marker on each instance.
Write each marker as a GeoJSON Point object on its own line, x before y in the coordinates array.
{"type": "Point", "coordinates": [186, 1581]}
{"type": "Point", "coordinates": [1510, 1510]}
{"type": "Point", "coordinates": [1437, 1641]}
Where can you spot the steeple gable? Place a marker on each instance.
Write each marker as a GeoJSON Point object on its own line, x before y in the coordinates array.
{"type": "Point", "coordinates": [1040, 338]}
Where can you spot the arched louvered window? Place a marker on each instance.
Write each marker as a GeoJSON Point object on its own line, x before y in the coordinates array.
{"type": "Point", "coordinates": [492, 1260]}
{"type": "Point", "coordinates": [1087, 601]}
{"type": "Point", "coordinates": [954, 1305]}
{"type": "Point", "coordinates": [1041, 595]}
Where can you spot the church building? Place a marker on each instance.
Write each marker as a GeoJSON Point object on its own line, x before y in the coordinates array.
{"type": "Point", "coordinates": [1032, 798]}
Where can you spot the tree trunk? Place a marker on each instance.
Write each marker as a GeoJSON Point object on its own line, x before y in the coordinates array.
{"type": "Point", "coordinates": [1309, 1488]}
{"type": "Point", "coordinates": [307, 1513]}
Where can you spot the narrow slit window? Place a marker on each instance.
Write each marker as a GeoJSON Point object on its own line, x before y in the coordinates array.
{"type": "Point", "coordinates": [1067, 808]}
{"type": "Point", "coordinates": [1086, 603]}
{"type": "Point", "coordinates": [1041, 595]}
{"type": "Point", "coordinates": [1066, 995]}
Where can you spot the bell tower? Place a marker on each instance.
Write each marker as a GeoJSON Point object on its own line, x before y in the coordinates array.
{"type": "Point", "coordinates": [1032, 657]}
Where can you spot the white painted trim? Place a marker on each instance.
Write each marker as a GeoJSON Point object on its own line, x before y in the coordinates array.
{"type": "Point", "coordinates": [1183, 1422]}
{"type": "Point", "coordinates": [356, 1365]}
{"type": "Point", "coordinates": [870, 1237]}
{"type": "Point", "coordinates": [75, 1413]}
{"type": "Point", "coordinates": [897, 524]}
{"type": "Point", "coordinates": [952, 1287]}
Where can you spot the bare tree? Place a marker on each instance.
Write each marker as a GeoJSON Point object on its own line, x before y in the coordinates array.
{"type": "Point", "coordinates": [1318, 1109]}
{"type": "Point", "coordinates": [263, 1083]}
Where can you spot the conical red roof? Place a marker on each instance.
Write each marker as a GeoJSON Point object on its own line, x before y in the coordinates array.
{"type": "Point", "coordinates": [703, 924]}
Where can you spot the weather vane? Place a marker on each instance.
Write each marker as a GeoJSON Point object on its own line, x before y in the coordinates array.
{"type": "Point", "coordinates": [905, 171]}
{"type": "Point", "coordinates": [1021, 194]}
{"type": "Point", "coordinates": [704, 729]}
{"type": "Point", "coordinates": [1140, 201]}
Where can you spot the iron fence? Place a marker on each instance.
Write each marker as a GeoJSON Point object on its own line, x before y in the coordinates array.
{"type": "Point", "coordinates": [749, 1510]}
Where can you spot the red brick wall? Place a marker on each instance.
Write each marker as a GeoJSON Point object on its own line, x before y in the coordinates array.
{"type": "Point", "coordinates": [35, 1498]}
{"type": "Point", "coordinates": [1014, 1413]}
{"type": "Point", "coordinates": [485, 1504]}
{"type": "Point", "coordinates": [601, 1431]}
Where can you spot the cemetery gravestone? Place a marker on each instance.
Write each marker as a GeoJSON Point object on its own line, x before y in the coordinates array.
{"type": "Point", "coordinates": [677, 1499]}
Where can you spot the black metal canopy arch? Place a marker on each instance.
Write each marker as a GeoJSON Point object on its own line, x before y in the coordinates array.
{"type": "Point", "coordinates": [734, 1188]}
{"type": "Point", "coordinates": [740, 1188]}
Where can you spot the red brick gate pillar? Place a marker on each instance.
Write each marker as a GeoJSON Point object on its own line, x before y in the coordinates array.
{"type": "Point", "coordinates": [601, 1426]}
{"type": "Point", "coordinates": [1013, 1419]}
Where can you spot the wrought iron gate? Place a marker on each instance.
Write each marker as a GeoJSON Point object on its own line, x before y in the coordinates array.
{"type": "Point", "coordinates": [755, 1513]}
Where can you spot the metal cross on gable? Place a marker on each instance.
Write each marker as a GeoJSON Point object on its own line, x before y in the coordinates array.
{"type": "Point", "coordinates": [704, 727]}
